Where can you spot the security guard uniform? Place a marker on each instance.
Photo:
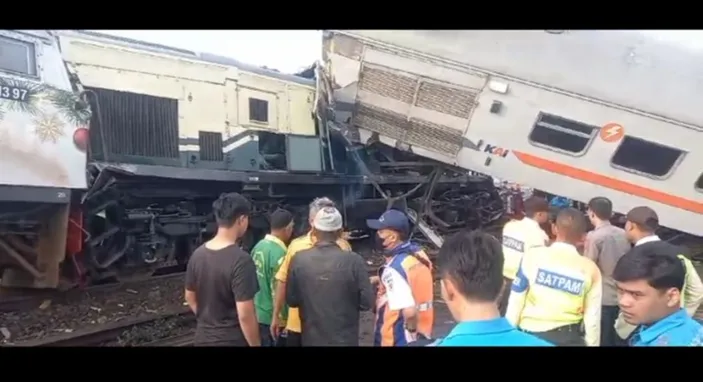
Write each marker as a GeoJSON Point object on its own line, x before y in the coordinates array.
{"type": "Point", "coordinates": [518, 237]}
{"type": "Point", "coordinates": [557, 294]}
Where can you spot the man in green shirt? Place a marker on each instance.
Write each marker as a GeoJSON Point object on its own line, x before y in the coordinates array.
{"type": "Point", "coordinates": [268, 255]}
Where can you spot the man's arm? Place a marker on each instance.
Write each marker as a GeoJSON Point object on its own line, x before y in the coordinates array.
{"type": "Point", "coordinates": [592, 308]}
{"type": "Point", "coordinates": [190, 287]}
{"type": "Point", "coordinates": [693, 291]}
{"type": "Point", "coordinates": [400, 296]}
{"type": "Point", "coordinates": [245, 286]}
{"type": "Point", "coordinates": [591, 248]}
{"type": "Point", "coordinates": [518, 296]}
{"type": "Point", "coordinates": [292, 287]}
{"type": "Point", "coordinates": [280, 296]}
{"type": "Point", "coordinates": [366, 296]}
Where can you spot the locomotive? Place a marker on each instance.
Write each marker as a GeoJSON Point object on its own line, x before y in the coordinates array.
{"type": "Point", "coordinates": [114, 150]}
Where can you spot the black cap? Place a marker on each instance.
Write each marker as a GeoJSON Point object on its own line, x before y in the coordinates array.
{"type": "Point", "coordinates": [644, 217]}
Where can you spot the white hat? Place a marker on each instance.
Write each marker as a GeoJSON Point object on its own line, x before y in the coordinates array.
{"type": "Point", "coordinates": [328, 219]}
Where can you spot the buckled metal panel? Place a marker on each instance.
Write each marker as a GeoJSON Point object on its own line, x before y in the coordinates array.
{"type": "Point", "coordinates": [387, 84]}
{"type": "Point", "coordinates": [381, 121]}
{"type": "Point", "coordinates": [434, 137]}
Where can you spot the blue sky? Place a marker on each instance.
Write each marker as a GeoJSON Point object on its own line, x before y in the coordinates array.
{"type": "Point", "coordinates": [285, 50]}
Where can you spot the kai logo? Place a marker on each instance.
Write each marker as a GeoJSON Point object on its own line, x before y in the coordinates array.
{"type": "Point", "coordinates": [495, 150]}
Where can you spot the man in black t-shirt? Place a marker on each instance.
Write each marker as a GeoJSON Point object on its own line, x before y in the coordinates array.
{"type": "Point", "coordinates": [221, 281]}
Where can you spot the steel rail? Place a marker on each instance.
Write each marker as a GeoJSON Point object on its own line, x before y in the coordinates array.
{"type": "Point", "coordinates": [181, 340]}
{"type": "Point", "coordinates": [100, 334]}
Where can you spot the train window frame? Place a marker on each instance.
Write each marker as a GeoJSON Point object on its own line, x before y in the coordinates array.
{"type": "Point", "coordinates": [540, 124]}
{"type": "Point", "coordinates": [698, 185]}
{"type": "Point", "coordinates": [670, 171]}
{"type": "Point", "coordinates": [32, 69]}
{"type": "Point", "coordinates": [255, 108]}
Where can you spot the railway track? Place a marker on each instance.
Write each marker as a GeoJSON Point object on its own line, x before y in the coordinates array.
{"type": "Point", "coordinates": [106, 333]}
{"type": "Point", "coordinates": [182, 340]}
{"type": "Point", "coordinates": [24, 300]}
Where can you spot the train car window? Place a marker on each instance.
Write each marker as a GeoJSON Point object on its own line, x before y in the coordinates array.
{"type": "Point", "coordinates": [699, 183]}
{"type": "Point", "coordinates": [561, 133]}
{"type": "Point", "coordinates": [258, 110]}
{"type": "Point", "coordinates": [645, 157]}
{"type": "Point", "coordinates": [17, 57]}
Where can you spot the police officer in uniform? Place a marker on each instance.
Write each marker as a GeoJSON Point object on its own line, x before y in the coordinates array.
{"type": "Point", "coordinates": [518, 237]}
{"type": "Point", "coordinates": [557, 292]}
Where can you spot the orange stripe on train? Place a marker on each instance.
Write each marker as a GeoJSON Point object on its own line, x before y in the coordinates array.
{"type": "Point", "coordinates": [609, 182]}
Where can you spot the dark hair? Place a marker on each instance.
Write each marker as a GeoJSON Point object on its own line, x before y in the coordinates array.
{"type": "Point", "coordinates": [644, 218]}
{"type": "Point", "coordinates": [602, 207]}
{"type": "Point", "coordinates": [230, 207]}
{"type": "Point", "coordinates": [660, 271]}
{"type": "Point", "coordinates": [535, 204]}
{"type": "Point", "coordinates": [280, 219]}
{"type": "Point", "coordinates": [473, 261]}
{"type": "Point", "coordinates": [571, 223]}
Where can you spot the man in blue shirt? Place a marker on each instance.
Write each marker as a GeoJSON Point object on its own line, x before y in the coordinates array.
{"type": "Point", "coordinates": [649, 295]}
{"type": "Point", "coordinates": [470, 265]}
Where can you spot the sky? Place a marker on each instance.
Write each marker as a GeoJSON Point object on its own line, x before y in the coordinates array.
{"type": "Point", "coordinates": [292, 50]}
{"type": "Point", "coordinates": [286, 50]}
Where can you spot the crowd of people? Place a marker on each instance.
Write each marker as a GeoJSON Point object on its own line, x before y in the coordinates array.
{"type": "Point", "coordinates": [564, 286]}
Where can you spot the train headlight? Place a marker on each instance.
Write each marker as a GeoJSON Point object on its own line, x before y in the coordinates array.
{"type": "Point", "coordinates": [80, 138]}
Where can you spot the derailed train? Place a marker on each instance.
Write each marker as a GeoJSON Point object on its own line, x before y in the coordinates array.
{"type": "Point", "coordinates": [390, 117]}
{"type": "Point", "coordinates": [114, 149]}
{"type": "Point", "coordinates": [572, 113]}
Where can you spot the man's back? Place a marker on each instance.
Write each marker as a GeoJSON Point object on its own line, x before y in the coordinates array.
{"type": "Point", "coordinates": [498, 332]}
{"type": "Point", "coordinates": [557, 287]}
{"type": "Point", "coordinates": [268, 255]}
{"type": "Point", "coordinates": [518, 237]}
{"type": "Point", "coordinates": [330, 287]}
{"type": "Point", "coordinates": [296, 246]}
{"type": "Point", "coordinates": [605, 245]}
{"type": "Point", "coordinates": [219, 278]}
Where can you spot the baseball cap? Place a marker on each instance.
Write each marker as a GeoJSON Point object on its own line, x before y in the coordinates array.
{"type": "Point", "coordinates": [644, 217]}
{"type": "Point", "coordinates": [391, 219]}
{"type": "Point", "coordinates": [328, 219]}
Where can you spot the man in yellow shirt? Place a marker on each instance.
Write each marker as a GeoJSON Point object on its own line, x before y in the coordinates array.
{"type": "Point", "coordinates": [293, 326]}
{"type": "Point", "coordinates": [557, 291]}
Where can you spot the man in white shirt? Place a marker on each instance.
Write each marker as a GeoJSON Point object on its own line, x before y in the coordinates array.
{"type": "Point", "coordinates": [518, 237]}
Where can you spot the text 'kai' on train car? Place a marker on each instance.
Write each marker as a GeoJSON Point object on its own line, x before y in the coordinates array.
{"type": "Point", "coordinates": [573, 113]}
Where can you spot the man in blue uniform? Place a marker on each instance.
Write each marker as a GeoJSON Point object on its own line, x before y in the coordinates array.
{"type": "Point", "coordinates": [470, 265]}
{"type": "Point", "coordinates": [650, 288]}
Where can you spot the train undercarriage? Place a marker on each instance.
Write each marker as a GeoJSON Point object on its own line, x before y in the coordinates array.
{"type": "Point", "coordinates": [136, 221]}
